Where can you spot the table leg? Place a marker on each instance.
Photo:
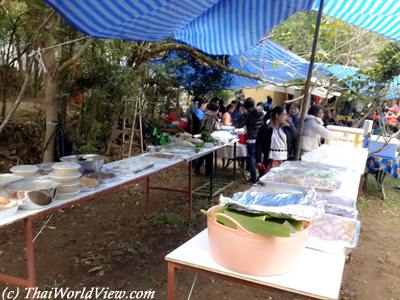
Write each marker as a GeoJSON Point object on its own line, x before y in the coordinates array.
{"type": "Point", "coordinates": [190, 187]}
{"type": "Point", "coordinates": [211, 182]}
{"type": "Point", "coordinates": [382, 176]}
{"type": "Point", "coordinates": [30, 254]}
{"type": "Point", "coordinates": [215, 162]}
{"type": "Point", "coordinates": [171, 281]}
{"type": "Point", "coordinates": [234, 161]}
{"type": "Point", "coordinates": [147, 196]}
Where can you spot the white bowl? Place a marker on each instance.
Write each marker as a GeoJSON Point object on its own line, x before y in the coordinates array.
{"type": "Point", "coordinates": [24, 170]}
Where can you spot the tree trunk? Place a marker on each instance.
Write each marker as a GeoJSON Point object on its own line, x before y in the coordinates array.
{"type": "Point", "coordinates": [51, 103]}
{"type": "Point", "coordinates": [3, 79]}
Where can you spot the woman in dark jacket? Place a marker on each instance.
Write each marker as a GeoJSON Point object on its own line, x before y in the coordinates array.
{"type": "Point", "coordinates": [276, 141]}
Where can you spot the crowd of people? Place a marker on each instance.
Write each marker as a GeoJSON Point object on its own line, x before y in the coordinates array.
{"type": "Point", "coordinates": [272, 132]}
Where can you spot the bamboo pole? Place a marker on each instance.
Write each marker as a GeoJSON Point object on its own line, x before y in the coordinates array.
{"type": "Point", "coordinates": [305, 103]}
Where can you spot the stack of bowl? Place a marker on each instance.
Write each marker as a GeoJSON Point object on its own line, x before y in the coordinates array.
{"type": "Point", "coordinates": [67, 174]}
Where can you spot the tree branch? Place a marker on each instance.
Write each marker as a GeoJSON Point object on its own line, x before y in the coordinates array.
{"type": "Point", "coordinates": [26, 78]}
{"type": "Point", "coordinates": [19, 98]}
{"type": "Point", "coordinates": [76, 56]}
{"type": "Point", "coordinates": [199, 57]}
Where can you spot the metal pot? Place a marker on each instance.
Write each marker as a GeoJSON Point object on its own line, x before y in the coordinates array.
{"type": "Point", "coordinates": [90, 163]}
{"type": "Point", "coordinates": [34, 199]}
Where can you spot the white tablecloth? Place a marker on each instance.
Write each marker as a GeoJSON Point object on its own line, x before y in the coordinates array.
{"type": "Point", "coordinates": [228, 152]}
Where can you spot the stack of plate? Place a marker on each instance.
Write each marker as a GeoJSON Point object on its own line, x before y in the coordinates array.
{"type": "Point", "coordinates": [67, 174]}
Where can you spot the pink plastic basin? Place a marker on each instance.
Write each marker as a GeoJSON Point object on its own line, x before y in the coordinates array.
{"type": "Point", "coordinates": [248, 253]}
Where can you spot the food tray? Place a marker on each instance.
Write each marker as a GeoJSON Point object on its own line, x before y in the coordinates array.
{"type": "Point", "coordinates": [312, 165]}
{"type": "Point", "coordinates": [305, 182]}
{"type": "Point", "coordinates": [332, 233]}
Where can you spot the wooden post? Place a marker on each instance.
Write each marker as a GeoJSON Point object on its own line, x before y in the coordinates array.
{"type": "Point", "coordinates": [305, 103]}
{"type": "Point", "coordinates": [133, 129]}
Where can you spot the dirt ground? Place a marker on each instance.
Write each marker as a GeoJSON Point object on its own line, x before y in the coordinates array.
{"type": "Point", "coordinates": [109, 243]}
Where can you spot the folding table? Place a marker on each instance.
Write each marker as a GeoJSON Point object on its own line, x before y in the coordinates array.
{"type": "Point", "coordinates": [317, 274]}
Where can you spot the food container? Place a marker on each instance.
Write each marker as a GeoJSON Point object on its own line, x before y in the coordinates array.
{"type": "Point", "coordinates": [65, 178]}
{"type": "Point", "coordinates": [69, 187]}
{"type": "Point", "coordinates": [245, 252]}
{"type": "Point", "coordinates": [66, 196]}
{"type": "Point", "coordinates": [90, 163]}
{"type": "Point", "coordinates": [88, 183]}
{"type": "Point", "coordinates": [34, 199]}
{"type": "Point", "coordinates": [66, 168]}
{"type": "Point", "coordinates": [25, 170]}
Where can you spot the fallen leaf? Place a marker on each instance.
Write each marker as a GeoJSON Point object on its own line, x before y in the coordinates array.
{"type": "Point", "coordinates": [101, 273]}
{"type": "Point", "coordinates": [97, 268]}
{"type": "Point", "coordinates": [1, 252]}
{"type": "Point", "coordinates": [51, 227]}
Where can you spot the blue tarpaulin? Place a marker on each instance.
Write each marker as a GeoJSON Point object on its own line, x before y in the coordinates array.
{"type": "Point", "coordinates": [381, 16]}
{"type": "Point", "coordinates": [213, 26]}
{"type": "Point", "coordinates": [226, 27]}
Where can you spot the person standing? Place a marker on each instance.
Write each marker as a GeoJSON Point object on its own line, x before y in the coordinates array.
{"type": "Point", "coordinates": [222, 108]}
{"type": "Point", "coordinates": [252, 118]}
{"type": "Point", "coordinates": [294, 113]}
{"type": "Point", "coordinates": [211, 124]}
{"type": "Point", "coordinates": [314, 129]}
{"type": "Point", "coordinates": [276, 141]}
{"type": "Point", "coordinates": [198, 116]}
{"type": "Point", "coordinates": [237, 112]}
{"type": "Point", "coordinates": [211, 121]}
{"type": "Point", "coordinates": [268, 105]}
{"type": "Point", "coordinates": [226, 117]}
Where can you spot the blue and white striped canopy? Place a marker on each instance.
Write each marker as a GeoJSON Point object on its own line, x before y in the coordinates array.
{"type": "Point", "coordinates": [213, 26]}
{"type": "Point", "coordinates": [381, 16]}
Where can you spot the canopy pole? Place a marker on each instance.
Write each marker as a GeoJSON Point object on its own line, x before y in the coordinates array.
{"type": "Point", "coordinates": [304, 104]}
